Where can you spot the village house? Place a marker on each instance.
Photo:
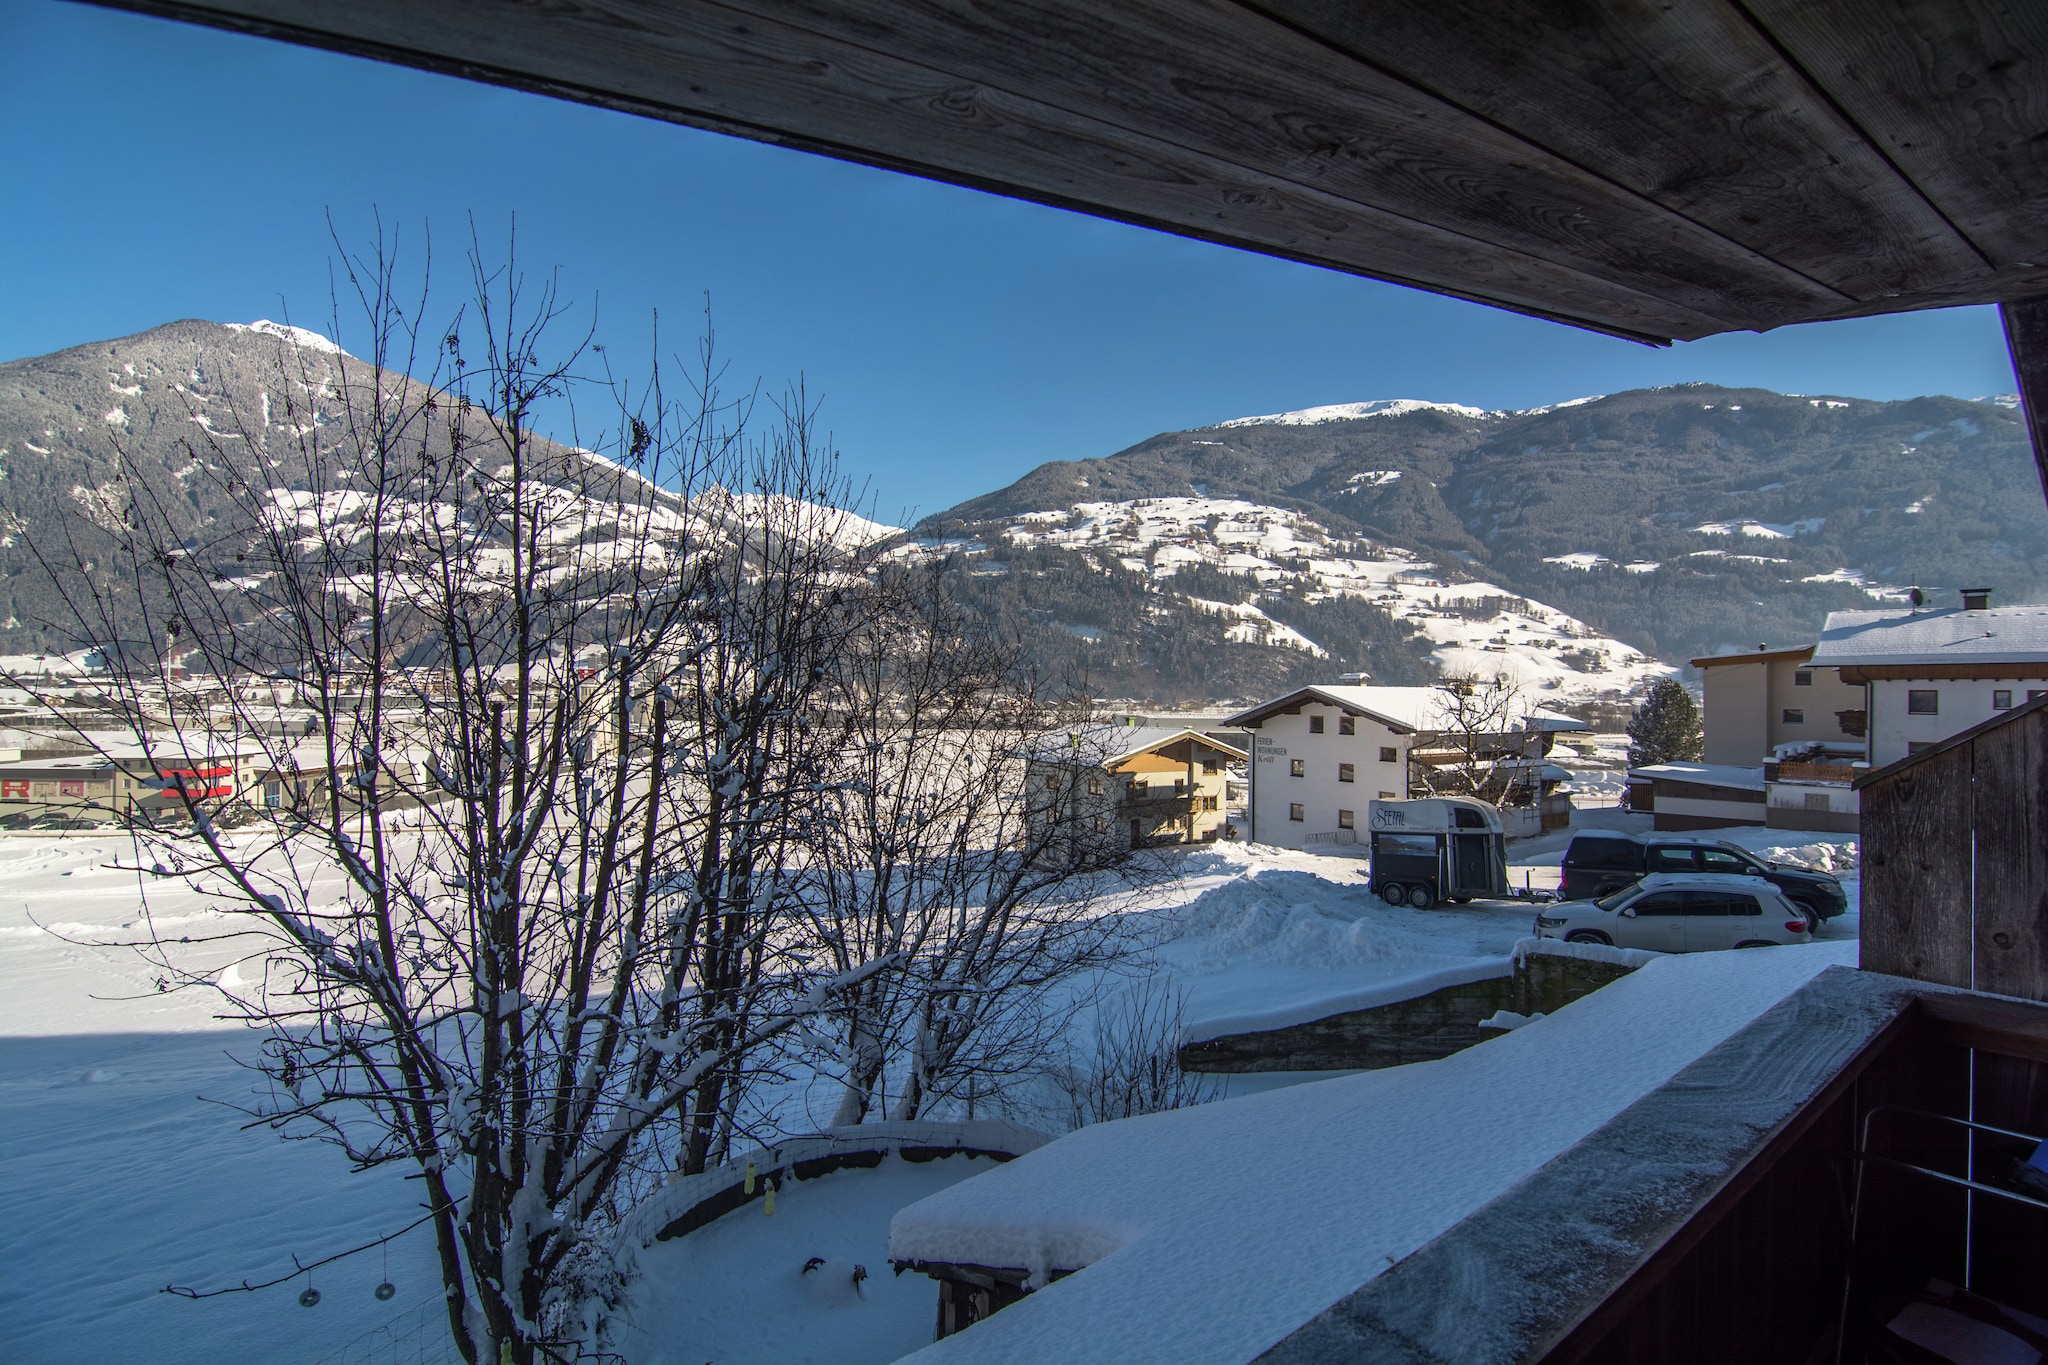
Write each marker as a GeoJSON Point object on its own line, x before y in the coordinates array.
{"type": "Point", "coordinates": [1928, 674]}
{"type": "Point", "coordinates": [1321, 753]}
{"type": "Point", "coordinates": [1145, 785]}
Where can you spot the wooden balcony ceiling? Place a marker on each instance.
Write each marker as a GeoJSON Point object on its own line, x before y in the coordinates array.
{"type": "Point", "coordinates": [1649, 169]}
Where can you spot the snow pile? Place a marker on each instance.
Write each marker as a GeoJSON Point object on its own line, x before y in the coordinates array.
{"type": "Point", "coordinates": [809, 1284]}
{"type": "Point", "coordinates": [1282, 946]}
{"type": "Point", "coordinates": [1210, 1233]}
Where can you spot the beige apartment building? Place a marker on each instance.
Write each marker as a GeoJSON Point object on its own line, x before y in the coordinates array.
{"type": "Point", "coordinates": [1756, 702]}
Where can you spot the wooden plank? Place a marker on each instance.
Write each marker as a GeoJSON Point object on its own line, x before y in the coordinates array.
{"type": "Point", "coordinates": [1211, 120]}
{"type": "Point", "coordinates": [1953, 92]}
{"type": "Point", "coordinates": [754, 76]}
{"type": "Point", "coordinates": [1721, 129]}
{"type": "Point", "coordinates": [1987, 1023]}
{"type": "Point", "coordinates": [1917, 871]}
{"type": "Point", "coordinates": [1215, 75]}
{"type": "Point", "coordinates": [2012, 857]}
{"type": "Point", "coordinates": [2026, 337]}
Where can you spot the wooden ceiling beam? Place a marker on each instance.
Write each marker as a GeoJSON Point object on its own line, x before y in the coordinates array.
{"type": "Point", "coordinates": [1213, 75]}
{"type": "Point", "coordinates": [1650, 171]}
{"type": "Point", "coordinates": [1955, 95]}
{"type": "Point", "coordinates": [1689, 106]}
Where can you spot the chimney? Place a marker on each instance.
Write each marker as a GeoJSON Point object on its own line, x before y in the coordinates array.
{"type": "Point", "coordinates": [1976, 599]}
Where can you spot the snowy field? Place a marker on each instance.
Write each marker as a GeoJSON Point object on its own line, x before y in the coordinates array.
{"type": "Point", "coordinates": [124, 1169]}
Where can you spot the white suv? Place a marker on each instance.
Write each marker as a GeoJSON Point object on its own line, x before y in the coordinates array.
{"type": "Point", "coordinates": [1681, 913]}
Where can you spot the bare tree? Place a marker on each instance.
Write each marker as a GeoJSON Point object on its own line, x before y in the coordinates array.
{"type": "Point", "coordinates": [1131, 1063]}
{"type": "Point", "coordinates": [930, 856]}
{"type": "Point", "coordinates": [549, 713]}
{"type": "Point", "coordinates": [1477, 746]}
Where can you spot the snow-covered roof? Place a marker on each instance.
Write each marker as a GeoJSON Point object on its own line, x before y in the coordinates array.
{"type": "Point", "coordinates": [1403, 708]}
{"type": "Point", "coordinates": [1109, 744]}
{"type": "Point", "coordinates": [1994, 635]}
{"type": "Point", "coordinates": [1705, 774]}
{"type": "Point", "coordinates": [1212, 1232]}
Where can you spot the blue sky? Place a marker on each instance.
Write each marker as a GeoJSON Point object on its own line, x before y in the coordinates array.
{"type": "Point", "coordinates": [158, 171]}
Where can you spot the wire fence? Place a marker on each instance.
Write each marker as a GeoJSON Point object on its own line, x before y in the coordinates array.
{"type": "Point", "coordinates": [419, 1337]}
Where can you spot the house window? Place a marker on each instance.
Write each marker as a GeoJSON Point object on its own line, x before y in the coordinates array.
{"type": "Point", "coordinates": [1208, 803]}
{"type": "Point", "coordinates": [1180, 786]}
{"type": "Point", "coordinates": [1388, 754]}
{"type": "Point", "coordinates": [1210, 768]}
{"type": "Point", "coordinates": [1095, 786]}
{"type": "Point", "coordinates": [1816, 800]}
{"type": "Point", "coordinates": [1347, 725]}
{"type": "Point", "coordinates": [1386, 796]}
{"type": "Point", "coordinates": [1802, 677]}
{"type": "Point", "coordinates": [1297, 812]}
{"type": "Point", "coordinates": [273, 794]}
{"type": "Point", "coordinates": [1345, 773]}
{"type": "Point", "coordinates": [2001, 700]}
{"type": "Point", "coordinates": [1297, 767]}
{"type": "Point", "coordinates": [1792, 715]}
{"type": "Point", "coordinates": [1345, 821]}
{"type": "Point", "coordinates": [71, 788]}
{"type": "Point", "coordinates": [1923, 701]}
{"type": "Point", "coordinates": [1315, 725]}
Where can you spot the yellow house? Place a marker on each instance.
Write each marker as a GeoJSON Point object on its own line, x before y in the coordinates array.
{"type": "Point", "coordinates": [1134, 787]}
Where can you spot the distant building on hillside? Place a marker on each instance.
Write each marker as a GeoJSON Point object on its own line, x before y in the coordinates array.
{"type": "Point", "coordinates": [1929, 674]}
{"type": "Point", "coordinates": [1141, 784]}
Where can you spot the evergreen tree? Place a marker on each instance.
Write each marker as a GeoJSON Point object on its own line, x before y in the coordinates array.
{"type": "Point", "coordinates": [1666, 727]}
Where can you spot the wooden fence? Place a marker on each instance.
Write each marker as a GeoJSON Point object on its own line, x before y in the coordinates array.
{"type": "Point", "coordinates": [1955, 859]}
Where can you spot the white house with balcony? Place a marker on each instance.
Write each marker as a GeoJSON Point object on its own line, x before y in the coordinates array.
{"type": "Point", "coordinates": [1930, 673]}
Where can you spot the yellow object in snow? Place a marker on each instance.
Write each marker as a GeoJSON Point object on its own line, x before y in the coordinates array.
{"type": "Point", "coordinates": [749, 1186]}
{"type": "Point", "coordinates": [768, 1200]}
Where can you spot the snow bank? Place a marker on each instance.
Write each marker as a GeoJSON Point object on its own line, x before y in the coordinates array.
{"type": "Point", "coordinates": [1385, 992]}
{"type": "Point", "coordinates": [1209, 1233]}
{"type": "Point", "coordinates": [1584, 952]}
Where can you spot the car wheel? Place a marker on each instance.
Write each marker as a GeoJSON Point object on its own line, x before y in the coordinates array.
{"type": "Point", "coordinates": [1393, 893]}
{"type": "Point", "coordinates": [1421, 897]}
{"type": "Point", "coordinates": [1588, 936]}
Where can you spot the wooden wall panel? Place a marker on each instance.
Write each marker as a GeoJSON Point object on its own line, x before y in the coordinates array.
{"type": "Point", "coordinates": [2012, 857]}
{"type": "Point", "coordinates": [1917, 871]}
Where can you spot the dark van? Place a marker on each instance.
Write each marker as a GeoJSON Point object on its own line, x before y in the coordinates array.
{"type": "Point", "coordinates": [1600, 861]}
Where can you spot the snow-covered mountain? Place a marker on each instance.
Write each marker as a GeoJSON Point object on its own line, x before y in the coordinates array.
{"type": "Point", "coordinates": [1670, 521]}
{"type": "Point", "coordinates": [1466, 627]}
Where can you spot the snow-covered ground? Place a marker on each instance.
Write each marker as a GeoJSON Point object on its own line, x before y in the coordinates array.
{"type": "Point", "coordinates": [1475, 628]}
{"type": "Point", "coordinates": [117, 1177]}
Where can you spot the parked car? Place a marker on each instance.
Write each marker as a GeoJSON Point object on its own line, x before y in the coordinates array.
{"type": "Point", "coordinates": [1681, 913]}
{"type": "Point", "coordinates": [1599, 862]}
